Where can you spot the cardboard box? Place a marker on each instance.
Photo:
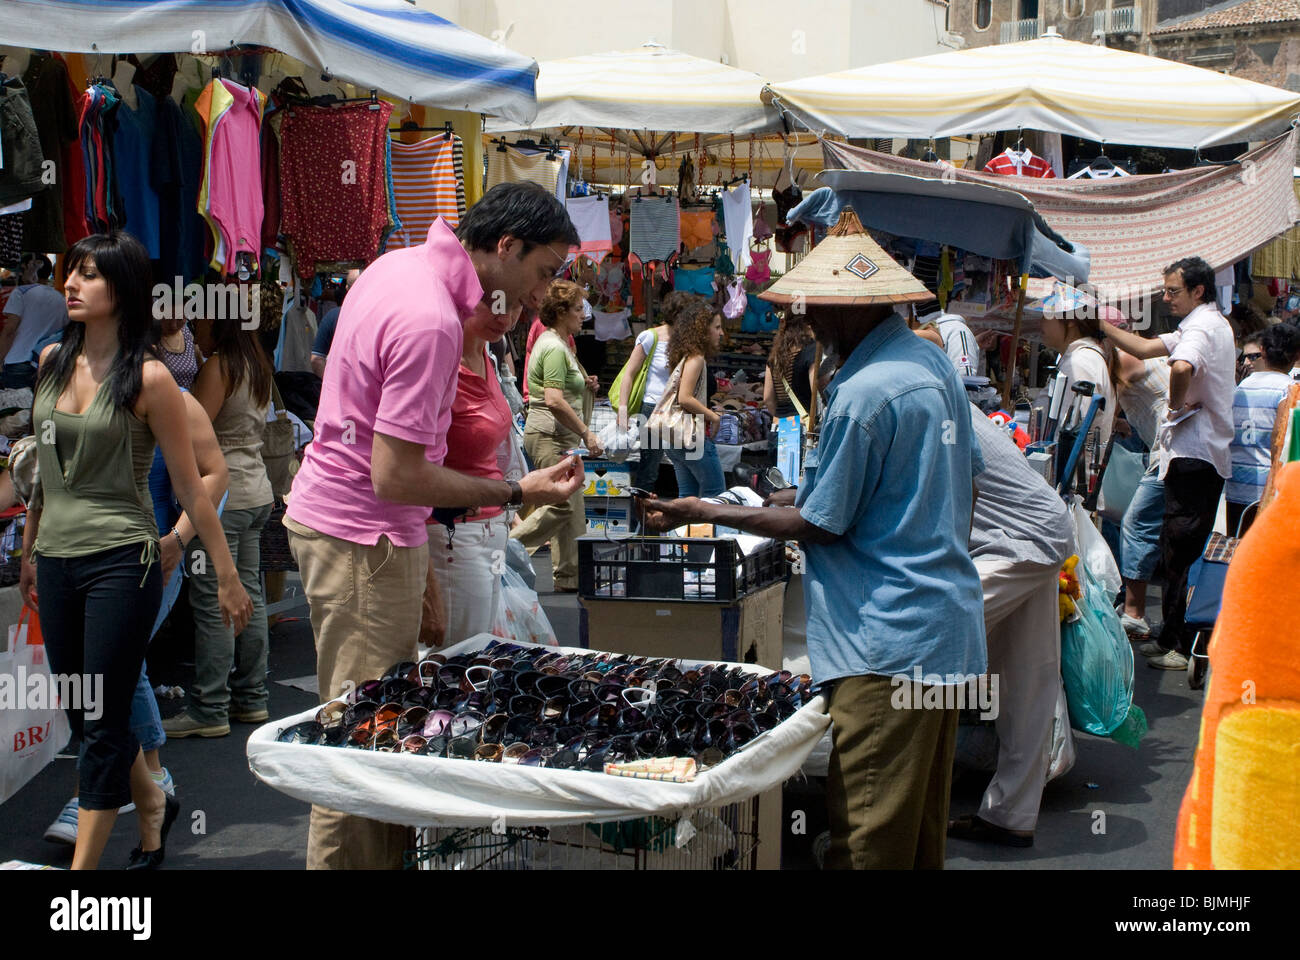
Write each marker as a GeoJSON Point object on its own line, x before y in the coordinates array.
{"type": "Point", "coordinates": [605, 478]}
{"type": "Point", "coordinates": [609, 517]}
{"type": "Point", "coordinates": [748, 631]}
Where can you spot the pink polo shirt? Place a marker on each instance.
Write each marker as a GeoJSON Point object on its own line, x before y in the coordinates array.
{"type": "Point", "coordinates": [392, 369]}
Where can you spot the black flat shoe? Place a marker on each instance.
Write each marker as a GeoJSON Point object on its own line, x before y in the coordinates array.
{"type": "Point", "coordinates": [981, 831]}
{"type": "Point", "coordinates": [152, 859]}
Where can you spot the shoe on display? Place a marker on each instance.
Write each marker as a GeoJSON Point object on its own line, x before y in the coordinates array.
{"type": "Point", "coordinates": [1172, 660]}
{"type": "Point", "coordinates": [1151, 649]}
{"type": "Point", "coordinates": [184, 725]}
{"type": "Point", "coordinates": [64, 828]}
{"type": "Point", "coordinates": [1135, 626]}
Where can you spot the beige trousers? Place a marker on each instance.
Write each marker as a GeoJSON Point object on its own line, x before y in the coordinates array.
{"type": "Point", "coordinates": [560, 523]}
{"type": "Point", "coordinates": [365, 615]}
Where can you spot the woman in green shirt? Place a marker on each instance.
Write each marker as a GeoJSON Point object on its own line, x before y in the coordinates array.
{"type": "Point", "coordinates": [560, 398]}
{"type": "Point", "coordinates": [103, 399]}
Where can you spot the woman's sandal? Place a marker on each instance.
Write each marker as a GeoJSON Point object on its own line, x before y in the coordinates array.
{"type": "Point", "coordinates": [981, 831]}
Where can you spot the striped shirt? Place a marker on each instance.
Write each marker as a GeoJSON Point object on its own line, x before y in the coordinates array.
{"type": "Point", "coordinates": [656, 228]}
{"type": "Point", "coordinates": [1254, 409]}
{"type": "Point", "coordinates": [428, 183]}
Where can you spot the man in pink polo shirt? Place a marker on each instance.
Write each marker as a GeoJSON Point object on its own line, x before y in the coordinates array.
{"type": "Point", "coordinates": [357, 511]}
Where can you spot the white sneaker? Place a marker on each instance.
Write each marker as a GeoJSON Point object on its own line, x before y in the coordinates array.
{"type": "Point", "coordinates": [1172, 660]}
{"type": "Point", "coordinates": [64, 828]}
{"type": "Point", "coordinates": [1135, 626]}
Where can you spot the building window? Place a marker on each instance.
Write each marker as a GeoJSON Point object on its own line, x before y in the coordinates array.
{"type": "Point", "coordinates": [983, 14]}
{"type": "Point", "coordinates": [1028, 9]}
{"type": "Point", "coordinates": [1073, 9]}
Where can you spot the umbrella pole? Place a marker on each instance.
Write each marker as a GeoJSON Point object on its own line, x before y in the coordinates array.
{"type": "Point", "coordinates": [1015, 344]}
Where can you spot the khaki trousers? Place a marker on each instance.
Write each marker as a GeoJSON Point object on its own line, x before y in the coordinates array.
{"type": "Point", "coordinates": [560, 523]}
{"type": "Point", "coordinates": [1022, 622]}
{"type": "Point", "coordinates": [365, 615]}
{"type": "Point", "coordinates": [890, 776]}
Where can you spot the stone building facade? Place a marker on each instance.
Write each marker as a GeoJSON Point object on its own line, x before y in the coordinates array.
{"type": "Point", "coordinates": [1254, 39]}
{"type": "Point", "coordinates": [1120, 23]}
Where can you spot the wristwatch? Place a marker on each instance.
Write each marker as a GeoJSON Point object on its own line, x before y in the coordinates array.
{"type": "Point", "coordinates": [516, 495]}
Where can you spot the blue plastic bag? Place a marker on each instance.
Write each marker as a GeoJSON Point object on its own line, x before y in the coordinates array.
{"type": "Point", "coordinates": [1097, 668]}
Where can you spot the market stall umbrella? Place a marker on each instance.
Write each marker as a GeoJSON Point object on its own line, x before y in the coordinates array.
{"type": "Point", "coordinates": [1048, 84]}
{"type": "Point", "coordinates": [382, 44]}
{"type": "Point", "coordinates": [647, 90]}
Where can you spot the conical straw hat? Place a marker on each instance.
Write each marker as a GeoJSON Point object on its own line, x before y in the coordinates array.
{"type": "Point", "coordinates": [848, 268]}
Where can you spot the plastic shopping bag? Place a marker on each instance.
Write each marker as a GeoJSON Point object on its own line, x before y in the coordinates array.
{"type": "Point", "coordinates": [1120, 482]}
{"type": "Point", "coordinates": [32, 729]}
{"type": "Point", "coordinates": [1093, 551]}
{"type": "Point", "coordinates": [619, 444]}
{"type": "Point", "coordinates": [1097, 667]}
{"type": "Point", "coordinates": [520, 617]}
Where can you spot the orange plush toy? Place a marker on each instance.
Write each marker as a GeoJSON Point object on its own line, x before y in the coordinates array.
{"type": "Point", "coordinates": [1240, 810]}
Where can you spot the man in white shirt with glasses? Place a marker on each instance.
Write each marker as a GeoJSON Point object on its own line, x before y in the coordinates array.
{"type": "Point", "coordinates": [1196, 433]}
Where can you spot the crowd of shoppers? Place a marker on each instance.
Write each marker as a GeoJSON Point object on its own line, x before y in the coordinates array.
{"type": "Point", "coordinates": [912, 502]}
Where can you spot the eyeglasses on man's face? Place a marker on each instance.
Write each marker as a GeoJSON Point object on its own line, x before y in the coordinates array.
{"type": "Point", "coordinates": [1171, 292]}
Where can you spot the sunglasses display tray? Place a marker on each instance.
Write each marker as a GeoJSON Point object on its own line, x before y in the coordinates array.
{"type": "Point", "coordinates": [425, 790]}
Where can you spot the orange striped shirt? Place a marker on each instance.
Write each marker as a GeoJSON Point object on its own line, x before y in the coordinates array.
{"type": "Point", "coordinates": [428, 182]}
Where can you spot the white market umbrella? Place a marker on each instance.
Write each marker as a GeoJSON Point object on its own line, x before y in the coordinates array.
{"type": "Point", "coordinates": [1050, 84]}
{"type": "Point", "coordinates": [651, 88]}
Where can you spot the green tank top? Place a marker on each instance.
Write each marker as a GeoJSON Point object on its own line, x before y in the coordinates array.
{"type": "Point", "coordinates": [95, 475]}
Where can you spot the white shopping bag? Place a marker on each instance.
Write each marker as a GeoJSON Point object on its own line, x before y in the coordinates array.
{"type": "Point", "coordinates": [520, 616]}
{"type": "Point", "coordinates": [1093, 551]}
{"type": "Point", "coordinates": [30, 736]}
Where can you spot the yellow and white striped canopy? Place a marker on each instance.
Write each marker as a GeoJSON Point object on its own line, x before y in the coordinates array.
{"type": "Point", "coordinates": [650, 88]}
{"type": "Point", "coordinates": [1048, 84]}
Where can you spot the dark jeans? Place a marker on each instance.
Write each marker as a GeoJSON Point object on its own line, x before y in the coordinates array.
{"type": "Point", "coordinates": [18, 376]}
{"type": "Point", "coordinates": [1192, 489]}
{"type": "Point", "coordinates": [96, 614]}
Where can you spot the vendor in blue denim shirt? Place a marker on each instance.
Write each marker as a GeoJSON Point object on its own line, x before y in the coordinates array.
{"type": "Point", "coordinates": [883, 515]}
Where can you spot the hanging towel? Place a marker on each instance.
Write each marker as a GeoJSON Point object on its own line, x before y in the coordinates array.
{"type": "Point", "coordinates": [516, 166]}
{"type": "Point", "coordinates": [428, 183]}
{"type": "Point", "coordinates": [738, 221]}
{"type": "Point", "coordinates": [655, 228]}
{"type": "Point", "coordinates": [590, 215]}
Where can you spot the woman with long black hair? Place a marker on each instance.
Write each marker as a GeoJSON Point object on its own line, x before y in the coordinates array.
{"type": "Point", "coordinates": [234, 388]}
{"type": "Point", "coordinates": [103, 399]}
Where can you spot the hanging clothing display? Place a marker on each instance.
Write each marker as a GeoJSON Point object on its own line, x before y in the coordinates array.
{"type": "Point", "coordinates": [392, 222]}
{"type": "Point", "coordinates": [270, 177]}
{"type": "Point", "coordinates": [428, 183]}
{"type": "Point", "coordinates": [590, 216]}
{"type": "Point", "coordinates": [699, 281]}
{"type": "Point", "coordinates": [738, 222]}
{"type": "Point", "coordinates": [655, 223]}
{"type": "Point", "coordinates": [178, 168]}
{"type": "Point", "coordinates": [97, 129]}
{"type": "Point", "coordinates": [21, 164]}
{"type": "Point", "coordinates": [333, 182]}
{"type": "Point", "coordinates": [133, 151]}
{"type": "Point", "coordinates": [1019, 163]}
{"type": "Point", "coordinates": [1099, 171]}
{"type": "Point", "coordinates": [232, 200]}
{"type": "Point", "coordinates": [612, 326]}
{"type": "Point", "coordinates": [297, 333]}
{"type": "Point", "coordinates": [697, 228]}
{"type": "Point", "coordinates": [510, 165]}
{"type": "Point", "coordinates": [11, 239]}
{"type": "Point", "coordinates": [72, 167]}
{"type": "Point", "coordinates": [55, 114]}
{"type": "Point", "coordinates": [609, 281]}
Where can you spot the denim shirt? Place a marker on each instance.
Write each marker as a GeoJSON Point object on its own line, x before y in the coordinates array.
{"type": "Point", "coordinates": [892, 476]}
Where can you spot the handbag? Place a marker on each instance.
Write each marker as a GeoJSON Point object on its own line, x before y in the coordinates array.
{"type": "Point", "coordinates": [674, 427]}
{"type": "Point", "coordinates": [637, 395]}
{"type": "Point", "coordinates": [278, 447]}
{"type": "Point", "coordinates": [29, 737]}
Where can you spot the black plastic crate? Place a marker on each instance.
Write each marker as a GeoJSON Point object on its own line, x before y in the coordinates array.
{"type": "Point", "coordinates": [689, 569]}
{"type": "Point", "coordinates": [275, 543]}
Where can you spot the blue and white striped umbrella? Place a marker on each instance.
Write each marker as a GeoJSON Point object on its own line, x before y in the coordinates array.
{"type": "Point", "coordinates": [389, 45]}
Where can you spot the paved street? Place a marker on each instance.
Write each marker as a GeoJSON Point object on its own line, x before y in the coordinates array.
{"type": "Point", "coordinates": [245, 824]}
